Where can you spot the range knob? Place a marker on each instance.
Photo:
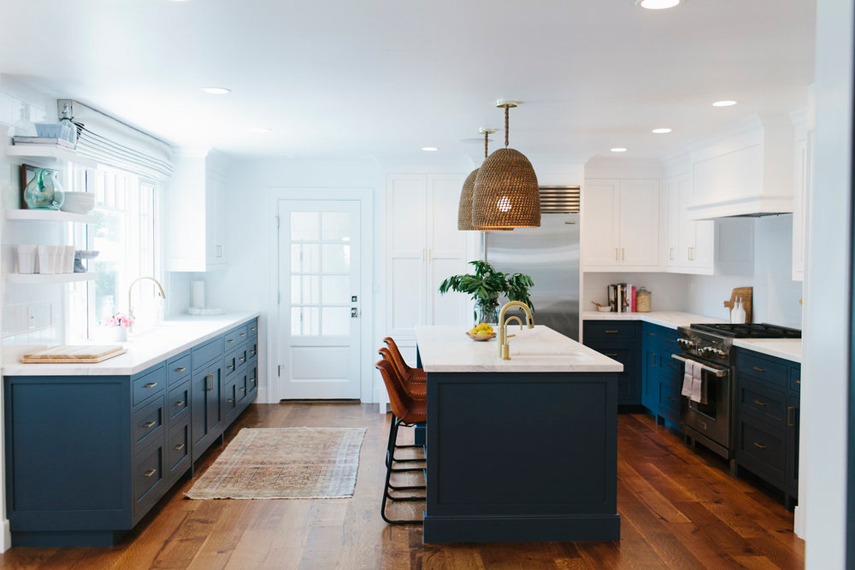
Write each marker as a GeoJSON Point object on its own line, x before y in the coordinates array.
{"type": "Point", "coordinates": [686, 343]}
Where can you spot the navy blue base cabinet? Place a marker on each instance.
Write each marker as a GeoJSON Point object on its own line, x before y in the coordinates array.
{"type": "Point", "coordinates": [88, 456]}
{"type": "Point", "coordinates": [767, 420]}
{"type": "Point", "coordinates": [661, 376]}
{"type": "Point", "coordinates": [619, 340]}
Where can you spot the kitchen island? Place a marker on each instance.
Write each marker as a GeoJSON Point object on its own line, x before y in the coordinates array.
{"type": "Point", "coordinates": [519, 450]}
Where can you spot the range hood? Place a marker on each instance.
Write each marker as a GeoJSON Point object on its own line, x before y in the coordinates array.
{"type": "Point", "coordinates": [744, 170]}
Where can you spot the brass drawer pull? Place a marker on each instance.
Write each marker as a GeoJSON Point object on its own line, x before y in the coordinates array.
{"type": "Point", "coordinates": [242, 334]}
{"type": "Point", "coordinates": [150, 473]}
{"type": "Point", "coordinates": [672, 399]}
{"type": "Point", "coordinates": [790, 411]}
{"type": "Point", "coordinates": [211, 376]}
{"type": "Point", "coordinates": [650, 334]}
{"type": "Point", "coordinates": [230, 366]}
{"type": "Point", "coordinates": [758, 369]}
{"type": "Point", "coordinates": [179, 447]}
{"type": "Point", "coordinates": [241, 389]}
{"type": "Point", "coordinates": [252, 379]}
{"type": "Point", "coordinates": [252, 328]}
{"type": "Point", "coordinates": [149, 424]}
{"type": "Point", "coordinates": [253, 352]}
{"type": "Point", "coordinates": [798, 381]}
{"type": "Point", "coordinates": [610, 354]}
{"type": "Point", "coordinates": [759, 445]}
{"type": "Point", "coordinates": [611, 332]}
{"type": "Point", "coordinates": [230, 340]}
{"type": "Point", "coordinates": [242, 358]}
{"type": "Point", "coordinates": [179, 403]}
{"type": "Point", "coordinates": [150, 385]}
{"type": "Point", "coordinates": [230, 400]}
{"type": "Point", "coordinates": [180, 369]}
{"type": "Point", "coordinates": [759, 403]}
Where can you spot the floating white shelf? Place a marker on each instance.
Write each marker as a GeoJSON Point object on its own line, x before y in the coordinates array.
{"type": "Point", "coordinates": [39, 279]}
{"type": "Point", "coordinates": [48, 153]}
{"type": "Point", "coordinates": [49, 216]}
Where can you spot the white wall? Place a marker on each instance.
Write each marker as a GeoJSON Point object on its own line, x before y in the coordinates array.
{"type": "Point", "coordinates": [826, 351]}
{"type": "Point", "coordinates": [776, 295]}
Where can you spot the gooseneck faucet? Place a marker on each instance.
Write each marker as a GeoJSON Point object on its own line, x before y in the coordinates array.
{"type": "Point", "coordinates": [131, 287]}
{"type": "Point", "coordinates": [504, 346]}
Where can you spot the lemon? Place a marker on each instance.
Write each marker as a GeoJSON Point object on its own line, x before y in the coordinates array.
{"type": "Point", "coordinates": [474, 331]}
{"type": "Point", "coordinates": [483, 326]}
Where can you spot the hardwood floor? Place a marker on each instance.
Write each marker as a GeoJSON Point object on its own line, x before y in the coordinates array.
{"type": "Point", "coordinates": [679, 509]}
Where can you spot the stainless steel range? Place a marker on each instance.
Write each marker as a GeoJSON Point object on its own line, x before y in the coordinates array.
{"type": "Point", "coordinates": [711, 345]}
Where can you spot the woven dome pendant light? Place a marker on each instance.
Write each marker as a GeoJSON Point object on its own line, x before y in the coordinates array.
{"type": "Point", "coordinates": [506, 190]}
{"type": "Point", "coordinates": [464, 211]}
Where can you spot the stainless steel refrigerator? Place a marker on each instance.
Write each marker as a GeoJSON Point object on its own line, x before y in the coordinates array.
{"type": "Point", "coordinates": [550, 255]}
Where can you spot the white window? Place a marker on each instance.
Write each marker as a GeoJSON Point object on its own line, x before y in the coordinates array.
{"type": "Point", "coordinates": [127, 238]}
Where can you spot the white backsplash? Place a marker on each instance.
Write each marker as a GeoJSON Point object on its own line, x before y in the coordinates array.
{"type": "Point", "coordinates": [668, 292]}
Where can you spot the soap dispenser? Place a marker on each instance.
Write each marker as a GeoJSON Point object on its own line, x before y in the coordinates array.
{"type": "Point", "coordinates": [737, 315]}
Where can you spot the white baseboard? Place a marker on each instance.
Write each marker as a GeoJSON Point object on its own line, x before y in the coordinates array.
{"type": "Point", "coordinates": [799, 523]}
{"type": "Point", "coordinates": [6, 543]}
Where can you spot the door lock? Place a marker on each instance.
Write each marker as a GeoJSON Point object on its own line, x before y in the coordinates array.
{"type": "Point", "coordinates": [353, 299]}
{"type": "Point", "coordinates": [354, 313]}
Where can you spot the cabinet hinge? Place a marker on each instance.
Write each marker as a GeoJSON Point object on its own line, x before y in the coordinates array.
{"type": "Point", "coordinates": [279, 370]}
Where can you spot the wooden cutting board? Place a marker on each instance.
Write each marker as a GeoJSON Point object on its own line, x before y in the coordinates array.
{"type": "Point", "coordinates": [66, 354]}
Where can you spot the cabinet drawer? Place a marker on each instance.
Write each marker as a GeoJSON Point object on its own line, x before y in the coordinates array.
{"type": "Point", "coordinates": [148, 385]}
{"type": "Point", "coordinates": [148, 424]}
{"type": "Point", "coordinates": [178, 446]}
{"type": "Point", "coordinates": [235, 360]}
{"type": "Point", "coordinates": [762, 449]}
{"type": "Point", "coordinates": [178, 403]}
{"type": "Point", "coordinates": [669, 396]}
{"type": "Point", "coordinates": [611, 331]}
{"type": "Point", "coordinates": [252, 376]}
{"type": "Point", "coordinates": [762, 402]}
{"type": "Point", "coordinates": [252, 328]}
{"type": "Point", "coordinates": [230, 399]}
{"type": "Point", "coordinates": [252, 348]}
{"type": "Point", "coordinates": [148, 473]}
{"type": "Point", "coordinates": [205, 353]}
{"type": "Point", "coordinates": [178, 368]}
{"type": "Point", "coordinates": [796, 378]}
{"type": "Point", "coordinates": [625, 355]}
{"type": "Point", "coordinates": [242, 389]}
{"type": "Point", "coordinates": [760, 368]}
{"type": "Point", "coordinates": [236, 336]}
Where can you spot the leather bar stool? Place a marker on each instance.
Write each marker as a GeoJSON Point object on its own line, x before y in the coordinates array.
{"type": "Point", "coordinates": [413, 375]}
{"type": "Point", "coordinates": [406, 411]}
{"type": "Point", "coordinates": [414, 388]}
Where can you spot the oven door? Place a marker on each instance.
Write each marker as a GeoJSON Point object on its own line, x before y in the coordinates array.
{"type": "Point", "coordinates": [713, 419]}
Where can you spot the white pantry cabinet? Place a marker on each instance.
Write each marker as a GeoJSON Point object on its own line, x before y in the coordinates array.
{"type": "Point", "coordinates": [620, 227]}
{"type": "Point", "coordinates": [803, 123]}
{"type": "Point", "coordinates": [424, 247]}
{"type": "Point", "coordinates": [197, 214]}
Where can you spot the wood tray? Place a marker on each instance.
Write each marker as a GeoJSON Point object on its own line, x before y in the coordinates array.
{"type": "Point", "coordinates": [74, 354]}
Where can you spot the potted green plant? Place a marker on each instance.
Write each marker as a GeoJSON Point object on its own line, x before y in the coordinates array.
{"type": "Point", "coordinates": [485, 287]}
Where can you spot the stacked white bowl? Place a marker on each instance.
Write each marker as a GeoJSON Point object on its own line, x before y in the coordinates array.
{"type": "Point", "coordinates": [79, 202]}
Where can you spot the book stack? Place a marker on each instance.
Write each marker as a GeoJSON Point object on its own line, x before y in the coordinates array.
{"type": "Point", "coordinates": [622, 298]}
{"type": "Point", "coordinates": [52, 141]}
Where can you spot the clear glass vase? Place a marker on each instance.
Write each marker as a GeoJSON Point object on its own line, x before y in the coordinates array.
{"type": "Point", "coordinates": [487, 314]}
{"type": "Point", "coordinates": [44, 192]}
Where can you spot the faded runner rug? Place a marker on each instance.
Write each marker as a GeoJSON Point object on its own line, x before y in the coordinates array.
{"type": "Point", "coordinates": [284, 463]}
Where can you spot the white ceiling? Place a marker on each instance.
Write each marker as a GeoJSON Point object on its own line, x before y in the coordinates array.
{"type": "Point", "coordinates": [382, 78]}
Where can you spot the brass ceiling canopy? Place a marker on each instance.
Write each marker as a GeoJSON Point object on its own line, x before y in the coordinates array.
{"type": "Point", "coordinates": [506, 191]}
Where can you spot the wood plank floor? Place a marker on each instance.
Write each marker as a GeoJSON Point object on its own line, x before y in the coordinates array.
{"type": "Point", "coordinates": [679, 509]}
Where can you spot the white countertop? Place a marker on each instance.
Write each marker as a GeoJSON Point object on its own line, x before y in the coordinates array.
{"type": "Point", "coordinates": [786, 348]}
{"type": "Point", "coordinates": [669, 319]}
{"type": "Point", "coordinates": [145, 349]}
{"type": "Point", "coordinates": [541, 349]}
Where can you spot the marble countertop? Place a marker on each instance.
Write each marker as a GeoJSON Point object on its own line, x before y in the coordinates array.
{"type": "Point", "coordinates": [145, 349]}
{"type": "Point", "coordinates": [786, 348]}
{"type": "Point", "coordinates": [541, 349]}
{"type": "Point", "coordinates": [669, 319]}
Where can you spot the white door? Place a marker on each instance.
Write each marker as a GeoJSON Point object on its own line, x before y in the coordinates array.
{"type": "Point", "coordinates": [319, 309]}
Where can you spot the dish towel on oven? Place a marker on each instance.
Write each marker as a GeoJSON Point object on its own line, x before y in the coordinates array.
{"type": "Point", "coordinates": [687, 379]}
{"type": "Point", "coordinates": [699, 386]}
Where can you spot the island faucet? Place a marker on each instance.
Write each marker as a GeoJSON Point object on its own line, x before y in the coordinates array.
{"type": "Point", "coordinates": [504, 346]}
{"type": "Point", "coordinates": [131, 287]}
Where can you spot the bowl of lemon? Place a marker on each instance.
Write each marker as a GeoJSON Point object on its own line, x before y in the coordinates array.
{"type": "Point", "coordinates": [481, 332]}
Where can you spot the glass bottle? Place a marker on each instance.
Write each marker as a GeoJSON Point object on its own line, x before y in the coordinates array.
{"type": "Point", "coordinates": [44, 191]}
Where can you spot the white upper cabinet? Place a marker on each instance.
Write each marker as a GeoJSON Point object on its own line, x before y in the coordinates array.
{"type": "Point", "coordinates": [620, 224]}
{"type": "Point", "coordinates": [424, 247]}
{"type": "Point", "coordinates": [196, 211]}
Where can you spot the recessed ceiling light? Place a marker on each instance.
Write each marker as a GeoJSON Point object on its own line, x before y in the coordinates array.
{"type": "Point", "coordinates": [430, 148]}
{"type": "Point", "coordinates": [724, 104]}
{"type": "Point", "coordinates": [662, 131]}
{"type": "Point", "coordinates": [260, 130]}
{"type": "Point", "coordinates": [618, 149]}
{"type": "Point", "coordinates": [658, 4]}
{"type": "Point", "coordinates": [216, 90]}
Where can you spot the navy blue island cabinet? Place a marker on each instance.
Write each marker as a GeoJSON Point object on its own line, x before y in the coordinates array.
{"type": "Point", "coordinates": [522, 450]}
{"type": "Point", "coordinates": [88, 456]}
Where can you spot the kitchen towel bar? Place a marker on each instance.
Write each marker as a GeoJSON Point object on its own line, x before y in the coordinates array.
{"type": "Point", "coordinates": [715, 371]}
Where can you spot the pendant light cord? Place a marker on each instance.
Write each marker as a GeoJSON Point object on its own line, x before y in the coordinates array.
{"type": "Point", "coordinates": [507, 123]}
{"type": "Point", "coordinates": [486, 140]}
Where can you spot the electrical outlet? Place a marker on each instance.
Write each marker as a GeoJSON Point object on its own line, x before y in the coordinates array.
{"type": "Point", "coordinates": [39, 315]}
